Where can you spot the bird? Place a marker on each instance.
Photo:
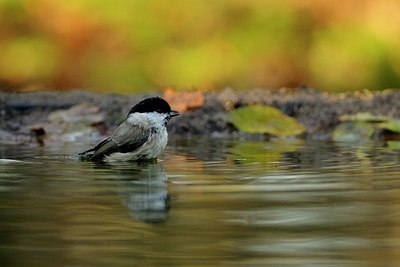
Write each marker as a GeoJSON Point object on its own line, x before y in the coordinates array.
{"type": "Point", "coordinates": [141, 136]}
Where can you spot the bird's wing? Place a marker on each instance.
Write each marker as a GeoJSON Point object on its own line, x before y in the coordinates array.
{"type": "Point", "coordinates": [126, 138]}
{"type": "Point", "coordinates": [94, 148]}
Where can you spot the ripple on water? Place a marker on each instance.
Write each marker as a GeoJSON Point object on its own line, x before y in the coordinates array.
{"type": "Point", "coordinates": [204, 202]}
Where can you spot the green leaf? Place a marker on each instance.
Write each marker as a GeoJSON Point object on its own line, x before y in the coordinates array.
{"type": "Point", "coordinates": [364, 117]}
{"type": "Point", "coordinates": [265, 119]}
{"type": "Point", "coordinates": [391, 125]}
{"type": "Point", "coordinates": [394, 145]}
{"type": "Point", "coordinates": [353, 132]}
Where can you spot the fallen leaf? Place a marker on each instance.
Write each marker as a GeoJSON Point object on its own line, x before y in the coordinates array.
{"type": "Point", "coordinates": [391, 125]}
{"type": "Point", "coordinates": [394, 145]}
{"type": "Point", "coordinates": [353, 132]}
{"type": "Point", "coordinates": [183, 101]}
{"type": "Point", "coordinates": [364, 117]}
{"type": "Point", "coordinates": [265, 119]}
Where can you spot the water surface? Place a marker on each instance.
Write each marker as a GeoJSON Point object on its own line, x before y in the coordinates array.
{"type": "Point", "coordinates": [205, 202]}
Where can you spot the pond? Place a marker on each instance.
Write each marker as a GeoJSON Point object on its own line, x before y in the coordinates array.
{"type": "Point", "coordinates": [205, 202]}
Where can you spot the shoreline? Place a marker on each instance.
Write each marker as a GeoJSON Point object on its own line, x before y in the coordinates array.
{"type": "Point", "coordinates": [318, 111]}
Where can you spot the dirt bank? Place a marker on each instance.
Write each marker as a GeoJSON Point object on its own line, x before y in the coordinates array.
{"type": "Point", "coordinates": [319, 112]}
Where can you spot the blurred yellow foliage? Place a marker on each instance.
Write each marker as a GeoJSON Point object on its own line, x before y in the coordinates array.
{"type": "Point", "coordinates": [147, 45]}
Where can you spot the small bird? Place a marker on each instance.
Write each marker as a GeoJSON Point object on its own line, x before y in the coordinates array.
{"type": "Point", "coordinates": [143, 135]}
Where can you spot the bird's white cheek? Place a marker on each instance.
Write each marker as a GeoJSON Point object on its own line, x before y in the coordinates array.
{"type": "Point", "coordinates": [152, 119]}
{"type": "Point", "coordinates": [136, 118]}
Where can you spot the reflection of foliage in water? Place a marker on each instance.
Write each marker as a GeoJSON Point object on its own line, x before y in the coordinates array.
{"type": "Point", "coordinates": [268, 154]}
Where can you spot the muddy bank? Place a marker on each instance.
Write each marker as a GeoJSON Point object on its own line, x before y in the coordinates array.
{"type": "Point", "coordinates": [318, 112]}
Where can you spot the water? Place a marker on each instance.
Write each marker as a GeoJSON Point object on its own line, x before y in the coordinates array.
{"type": "Point", "coordinates": [205, 202]}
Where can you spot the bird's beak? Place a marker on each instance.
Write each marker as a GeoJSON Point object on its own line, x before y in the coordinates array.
{"type": "Point", "coordinates": [173, 113]}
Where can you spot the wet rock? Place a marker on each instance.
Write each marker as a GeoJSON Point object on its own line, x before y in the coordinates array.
{"type": "Point", "coordinates": [69, 124]}
{"type": "Point", "coordinates": [84, 113]}
{"type": "Point", "coordinates": [6, 137]}
{"type": "Point", "coordinates": [14, 138]}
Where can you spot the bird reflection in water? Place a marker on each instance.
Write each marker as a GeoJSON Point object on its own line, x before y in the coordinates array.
{"type": "Point", "coordinates": [144, 187]}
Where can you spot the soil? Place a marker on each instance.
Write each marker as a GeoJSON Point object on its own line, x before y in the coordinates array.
{"type": "Point", "coordinates": [318, 111]}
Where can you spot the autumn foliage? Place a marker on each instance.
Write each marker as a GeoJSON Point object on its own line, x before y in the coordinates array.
{"type": "Point", "coordinates": [142, 45]}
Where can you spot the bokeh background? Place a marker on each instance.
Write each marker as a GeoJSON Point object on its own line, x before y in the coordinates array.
{"type": "Point", "coordinates": [147, 45]}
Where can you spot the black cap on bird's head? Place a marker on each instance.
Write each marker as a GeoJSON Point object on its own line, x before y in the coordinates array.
{"type": "Point", "coordinates": [153, 104]}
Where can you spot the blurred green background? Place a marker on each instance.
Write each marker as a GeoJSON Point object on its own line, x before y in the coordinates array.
{"type": "Point", "coordinates": [146, 45]}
